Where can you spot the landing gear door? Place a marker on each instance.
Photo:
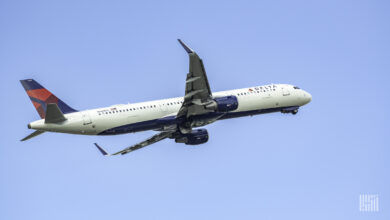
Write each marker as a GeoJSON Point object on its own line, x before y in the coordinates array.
{"type": "Point", "coordinates": [86, 118]}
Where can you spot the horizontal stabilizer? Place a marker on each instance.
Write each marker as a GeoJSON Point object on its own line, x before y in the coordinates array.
{"type": "Point", "coordinates": [54, 114]}
{"type": "Point", "coordinates": [35, 133]}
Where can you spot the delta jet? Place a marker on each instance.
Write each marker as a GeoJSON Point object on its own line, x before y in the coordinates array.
{"type": "Point", "coordinates": [173, 118]}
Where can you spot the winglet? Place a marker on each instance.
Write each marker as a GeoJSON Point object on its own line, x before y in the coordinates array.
{"type": "Point", "coordinates": [102, 150]}
{"type": "Point", "coordinates": [189, 50]}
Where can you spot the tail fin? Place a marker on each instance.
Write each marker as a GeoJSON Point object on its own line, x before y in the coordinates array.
{"type": "Point", "coordinates": [40, 97]}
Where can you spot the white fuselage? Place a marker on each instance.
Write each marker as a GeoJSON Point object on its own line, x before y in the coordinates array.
{"type": "Point", "coordinates": [127, 118]}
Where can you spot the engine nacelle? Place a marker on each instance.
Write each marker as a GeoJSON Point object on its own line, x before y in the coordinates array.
{"type": "Point", "coordinates": [195, 137]}
{"type": "Point", "coordinates": [224, 104]}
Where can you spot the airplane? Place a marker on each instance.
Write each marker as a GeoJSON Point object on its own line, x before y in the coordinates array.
{"type": "Point", "coordinates": [173, 118]}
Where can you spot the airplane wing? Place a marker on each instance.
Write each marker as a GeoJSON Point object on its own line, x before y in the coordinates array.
{"type": "Point", "coordinates": [197, 96]}
{"type": "Point", "coordinates": [198, 92]}
{"type": "Point", "coordinates": [155, 138]}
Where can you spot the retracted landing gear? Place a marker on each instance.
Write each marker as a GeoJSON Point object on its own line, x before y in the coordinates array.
{"type": "Point", "coordinates": [292, 110]}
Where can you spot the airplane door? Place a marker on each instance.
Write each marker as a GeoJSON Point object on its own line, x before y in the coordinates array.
{"type": "Point", "coordinates": [86, 119]}
{"type": "Point", "coordinates": [163, 107]}
{"type": "Point", "coordinates": [286, 92]}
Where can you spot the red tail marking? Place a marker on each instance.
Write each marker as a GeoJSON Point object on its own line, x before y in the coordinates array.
{"type": "Point", "coordinates": [41, 94]}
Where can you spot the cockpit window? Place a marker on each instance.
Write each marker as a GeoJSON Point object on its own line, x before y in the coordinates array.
{"type": "Point", "coordinates": [296, 87]}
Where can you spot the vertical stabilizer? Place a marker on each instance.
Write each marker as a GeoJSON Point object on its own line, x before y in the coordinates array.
{"type": "Point", "coordinates": [40, 97]}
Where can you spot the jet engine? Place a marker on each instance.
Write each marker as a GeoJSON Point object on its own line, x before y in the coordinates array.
{"type": "Point", "coordinates": [223, 104]}
{"type": "Point", "coordinates": [195, 137]}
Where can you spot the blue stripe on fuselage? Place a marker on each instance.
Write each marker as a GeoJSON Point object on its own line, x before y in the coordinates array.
{"type": "Point", "coordinates": [142, 126]}
{"type": "Point", "coordinates": [157, 124]}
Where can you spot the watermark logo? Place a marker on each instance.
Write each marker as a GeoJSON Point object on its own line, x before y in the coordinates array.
{"type": "Point", "coordinates": [369, 203]}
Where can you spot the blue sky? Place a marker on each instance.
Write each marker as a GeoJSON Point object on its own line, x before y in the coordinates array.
{"type": "Point", "coordinates": [313, 165]}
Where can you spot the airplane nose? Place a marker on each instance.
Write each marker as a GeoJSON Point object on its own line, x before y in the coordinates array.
{"type": "Point", "coordinates": [307, 97]}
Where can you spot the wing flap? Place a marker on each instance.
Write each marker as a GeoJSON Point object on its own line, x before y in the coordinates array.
{"type": "Point", "coordinates": [192, 94]}
{"type": "Point", "coordinates": [190, 80]}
